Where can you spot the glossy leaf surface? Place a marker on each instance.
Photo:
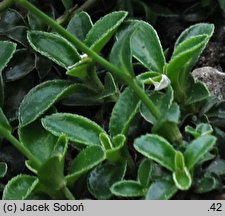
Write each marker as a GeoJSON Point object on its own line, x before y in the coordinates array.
{"type": "Point", "coordinates": [39, 141]}
{"type": "Point", "coordinates": [40, 99]}
{"type": "Point", "coordinates": [86, 160]}
{"type": "Point", "coordinates": [145, 172]}
{"type": "Point", "coordinates": [54, 47]}
{"type": "Point", "coordinates": [121, 54]}
{"type": "Point", "coordinates": [77, 128]}
{"type": "Point", "coordinates": [6, 52]}
{"type": "Point", "coordinates": [181, 176]}
{"type": "Point", "coordinates": [51, 174]}
{"type": "Point", "coordinates": [195, 30]}
{"type": "Point", "coordinates": [156, 148]}
{"type": "Point", "coordinates": [147, 48]}
{"type": "Point", "coordinates": [4, 123]}
{"type": "Point", "coordinates": [21, 65]}
{"type": "Point", "coordinates": [161, 190]}
{"type": "Point", "coordinates": [123, 112]}
{"type": "Point", "coordinates": [128, 188]}
{"type": "Point", "coordinates": [103, 177]}
{"type": "Point", "coordinates": [79, 25]}
{"type": "Point", "coordinates": [103, 30]}
{"type": "Point", "coordinates": [163, 101]}
{"type": "Point", "coordinates": [19, 187]}
{"type": "Point", "coordinates": [197, 149]}
{"type": "Point", "coordinates": [201, 130]}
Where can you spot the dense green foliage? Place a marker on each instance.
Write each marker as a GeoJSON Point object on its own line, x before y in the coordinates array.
{"type": "Point", "coordinates": [105, 127]}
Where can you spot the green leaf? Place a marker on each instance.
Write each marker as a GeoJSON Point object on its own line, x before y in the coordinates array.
{"type": "Point", "coordinates": [170, 114]}
{"type": "Point", "coordinates": [156, 148]}
{"type": "Point", "coordinates": [204, 129]}
{"type": "Point", "coordinates": [179, 161]}
{"type": "Point", "coordinates": [149, 78]}
{"type": "Point", "coordinates": [29, 164]}
{"type": "Point", "coordinates": [21, 65]}
{"type": "Point", "coordinates": [103, 30]}
{"type": "Point", "coordinates": [53, 47]}
{"type": "Point", "coordinates": [159, 81]}
{"type": "Point", "coordinates": [121, 55]}
{"type": "Point", "coordinates": [118, 142]}
{"type": "Point", "coordinates": [43, 66]}
{"type": "Point", "coordinates": [161, 190]}
{"type": "Point", "coordinates": [14, 98]}
{"type": "Point", "coordinates": [86, 160]}
{"type": "Point", "coordinates": [103, 177]}
{"type": "Point", "coordinates": [41, 98]}
{"type": "Point", "coordinates": [80, 25]}
{"type": "Point", "coordinates": [188, 44]}
{"type": "Point", "coordinates": [147, 48]}
{"type": "Point", "coordinates": [126, 27]}
{"type": "Point", "coordinates": [110, 87]}
{"type": "Point", "coordinates": [170, 120]}
{"type": "Point", "coordinates": [67, 4]}
{"type": "Point", "coordinates": [162, 101]}
{"type": "Point", "coordinates": [81, 69]}
{"type": "Point", "coordinates": [19, 187]}
{"type": "Point", "coordinates": [181, 176]}
{"type": "Point", "coordinates": [37, 140]}
{"type": "Point", "coordinates": [201, 130]}
{"type": "Point", "coordinates": [9, 19]}
{"type": "Point", "coordinates": [179, 67]}
{"type": "Point", "coordinates": [60, 148]}
{"type": "Point", "coordinates": [105, 141]}
{"type": "Point", "coordinates": [195, 30]}
{"type": "Point", "coordinates": [3, 169]}
{"type": "Point", "coordinates": [198, 92]}
{"type": "Point", "coordinates": [128, 188]}
{"type": "Point", "coordinates": [82, 96]}
{"type": "Point", "coordinates": [77, 128]}
{"type": "Point", "coordinates": [188, 48]}
{"type": "Point", "coordinates": [35, 23]}
{"type": "Point", "coordinates": [123, 112]}
{"type": "Point", "coordinates": [145, 172]}
{"type": "Point", "coordinates": [217, 167]}
{"type": "Point", "coordinates": [18, 34]}
{"type": "Point", "coordinates": [206, 184]}
{"type": "Point", "coordinates": [6, 52]}
{"type": "Point", "coordinates": [197, 149]}
{"type": "Point", "coordinates": [4, 123]}
{"type": "Point", "coordinates": [51, 174]}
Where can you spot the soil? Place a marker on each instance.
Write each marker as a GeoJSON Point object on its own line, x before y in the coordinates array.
{"type": "Point", "coordinates": [169, 29]}
{"type": "Point", "coordinates": [214, 54]}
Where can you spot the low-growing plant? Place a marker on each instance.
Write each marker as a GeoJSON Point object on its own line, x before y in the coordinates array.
{"type": "Point", "coordinates": [165, 159]}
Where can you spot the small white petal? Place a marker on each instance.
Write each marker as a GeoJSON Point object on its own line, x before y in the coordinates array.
{"type": "Point", "coordinates": [164, 82]}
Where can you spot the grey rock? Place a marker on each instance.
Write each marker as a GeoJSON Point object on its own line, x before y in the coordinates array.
{"type": "Point", "coordinates": [213, 79]}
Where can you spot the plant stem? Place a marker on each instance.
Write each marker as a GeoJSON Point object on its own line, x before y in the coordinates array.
{"type": "Point", "coordinates": [68, 193]}
{"type": "Point", "coordinates": [7, 135]}
{"type": "Point", "coordinates": [63, 20]}
{"type": "Point", "coordinates": [127, 78]}
{"type": "Point", "coordinates": [88, 4]}
{"type": "Point", "coordinates": [67, 16]}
